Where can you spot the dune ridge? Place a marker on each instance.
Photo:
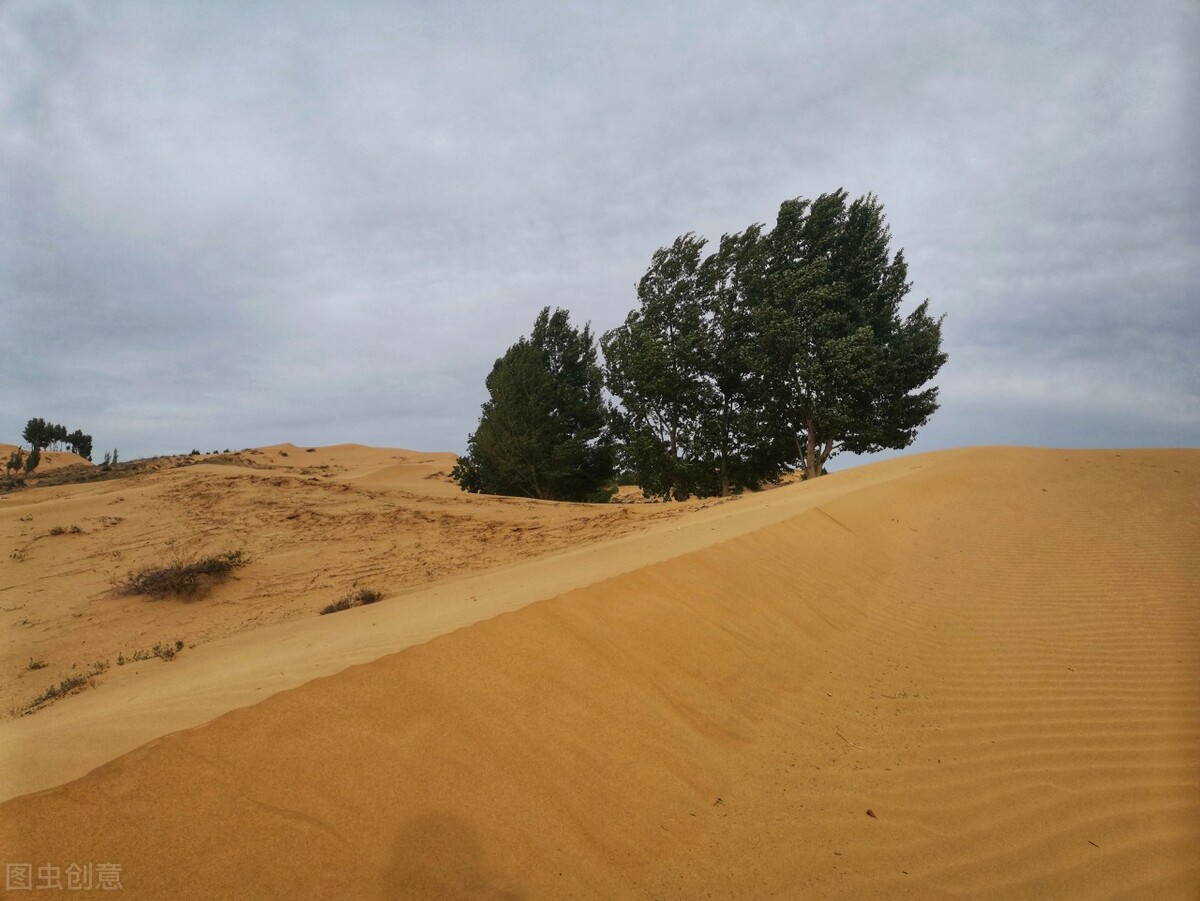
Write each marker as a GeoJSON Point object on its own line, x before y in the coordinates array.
{"type": "Point", "coordinates": [978, 677]}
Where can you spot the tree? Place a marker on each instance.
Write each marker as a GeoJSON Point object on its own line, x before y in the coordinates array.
{"type": "Point", "coordinates": [653, 365]}
{"type": "Point", "coordinates": [16, 462]}
{"type": "Point", "coordinates": [543, 431]}
{"type": "Point", "coordinates": [34, 458]}
{"type": "Point", "coordinates": [38, 433]}
{"type": "Point", "coordinates": [691, 406]}
{"type": "Point", "coordinates": [846, 370]}
{"type": "Point", "coordinates": [746, 451]}
{"type": "Point", "coordinates": [80, 444]}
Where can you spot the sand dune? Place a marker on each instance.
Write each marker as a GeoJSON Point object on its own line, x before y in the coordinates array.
{"type": "Point", "coordinates": [315, 524]}
{"type": "Point", "coordinates": [966, 674]}
{"type": "Point", "coordinates": [51, 459]}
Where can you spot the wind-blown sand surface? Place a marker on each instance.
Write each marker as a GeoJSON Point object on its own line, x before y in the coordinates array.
{"type": "Point", "coordinates": [972, 673]}
{"type": "Point", "coordinates": [316, 523]}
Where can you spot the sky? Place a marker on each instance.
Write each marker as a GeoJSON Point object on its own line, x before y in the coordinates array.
{"type": "Point", "coordinates": [230, 224]}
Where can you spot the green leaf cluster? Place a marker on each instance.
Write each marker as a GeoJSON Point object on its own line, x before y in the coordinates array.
{"type": "Point", "coordinates": [777, 351]}
{"type": "Point", "coordinates": [543, 431]}
{"type": "Point", "coordinates": [42, 434]}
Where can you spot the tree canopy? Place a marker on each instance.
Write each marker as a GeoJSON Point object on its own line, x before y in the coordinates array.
{"type": "Point", "coordinates": [847, 371]}
{"type": "Point", "coordinates": [543, 431]}
{"type": "Point", "coordinates": [778, 350]}
{"type": "Point", "coordinates": [42, 434]}
{"type": "Point", "coordinates": [775, 352]}
{"type": "Point", "coordinates": [690, 411]}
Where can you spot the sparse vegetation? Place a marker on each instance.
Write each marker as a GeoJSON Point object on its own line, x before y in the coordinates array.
{"type": "Point", "coordinates": [72, 684]}
{"type": "Point", "coordinates": [62, 530]}
{"type": "Point", "coordinates": [359, 598]}
{"type": "Point", "coordinates": [37, 664]}
{"type": "Point", "coordinates": [163, 650]}
{"type": "Point", "coordinates": [183, 578]}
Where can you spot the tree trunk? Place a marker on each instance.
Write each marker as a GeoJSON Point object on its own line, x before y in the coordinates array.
{"type": "Point", "coordinates": [825, 452]}
{"type": "Point", "coordinates": [725, 449]}
{"type": "Point", "coordinates": [810, 460]}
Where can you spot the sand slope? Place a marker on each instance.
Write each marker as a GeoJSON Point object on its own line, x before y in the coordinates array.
{"type": "Point", "coordinates": [315, 522]}
{"type": "Point", "coordinates": [996, 652]}
{"type": "Point", "coordinates": [51, 459]}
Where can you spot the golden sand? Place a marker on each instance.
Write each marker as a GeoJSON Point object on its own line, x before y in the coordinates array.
{"type": "Point", "coordinates": [971, 673]}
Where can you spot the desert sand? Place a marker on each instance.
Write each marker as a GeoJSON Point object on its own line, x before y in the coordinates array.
{"type": "Point", "coordinates": [971, 673]}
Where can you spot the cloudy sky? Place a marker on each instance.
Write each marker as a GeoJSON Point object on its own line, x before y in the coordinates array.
{"type": "Point", "coordinates": [225, 224]}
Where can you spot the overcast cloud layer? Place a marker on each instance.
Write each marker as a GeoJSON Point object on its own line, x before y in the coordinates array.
{"type": "Point", "coordinates": [230, 224]}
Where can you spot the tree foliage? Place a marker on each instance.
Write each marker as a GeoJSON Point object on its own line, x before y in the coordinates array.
{"type": "Point", "coordinates": [690, 412]}
{"type": "Point", "coordinates": [42, 434]}
{"type": "Point", "coordinates": [779, 350]}
{"type": "Point", "coordinates": [847, 371]}
{"type": "Point", "coordinates": [543, 431]}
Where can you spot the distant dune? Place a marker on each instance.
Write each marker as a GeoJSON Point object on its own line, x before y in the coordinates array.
{"type": "Point", "coordinates": [972, 673]}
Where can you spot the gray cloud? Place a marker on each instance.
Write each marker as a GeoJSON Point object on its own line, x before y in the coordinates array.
{"type": "Point", "coordinates": [226, 224]}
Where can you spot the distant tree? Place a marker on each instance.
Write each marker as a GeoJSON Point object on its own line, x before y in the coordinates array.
{"type": "Point", "coordinates": [34, 458]}
{"type": "Point", "coordinates": [543, 431]}
{"type": "Point", "coordinates": [16, 461]}
{"type": "Point", "coordinates": [38, 433]}
{"type": "Point", "coordinates": [846, 370]}
{"type": "Point", "coordinates": [80, 444]}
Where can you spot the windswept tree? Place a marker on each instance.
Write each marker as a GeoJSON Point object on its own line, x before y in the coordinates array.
{"type": "Point", "coordinates": [42, 434]}
{"type": "Point", "coordinates": [80, 444]}
{"type": "Point", "coordinates": [543, 431]}
{"type": "Point", "coordinates": [653, 365]}
{"type": "Point", "coordinates": [848, 372]}
{"type": "Point", "coordinates": [691, 415]}
{"type": "Point", "coordinates": [744, 450]}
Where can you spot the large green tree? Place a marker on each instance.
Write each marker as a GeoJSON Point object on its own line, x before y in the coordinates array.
{"type": "Point", "coordinates": [848, 371]}
{"type": "Point", "coordinates": [654, 365]}
{"type": "Point", "coordinates": [543, 432]}
{"type": "Point", "coordinates": [691, 415]}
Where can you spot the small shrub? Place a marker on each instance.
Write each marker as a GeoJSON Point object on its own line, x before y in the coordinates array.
{"type": "Point", "coordinates": [58, 530]}
{"type": "Point", "coordinates": [184, 578]}
{"type": "Point", "coordinates": [340, 604]}
{"type": "Point", "coordinates": [75, 530]}
{"type": "Point", "coordinates": [311, 450]}
{"type": "Point", "coordinates": [358, 598]}
{"type": "Point", "coordinates": [37, 664]}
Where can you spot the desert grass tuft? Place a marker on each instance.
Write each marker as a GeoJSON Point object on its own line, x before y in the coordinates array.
{"type": "Point", "coordinates": [183, 578]}
{"type": "Point", "coordinates": [358, 598]}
